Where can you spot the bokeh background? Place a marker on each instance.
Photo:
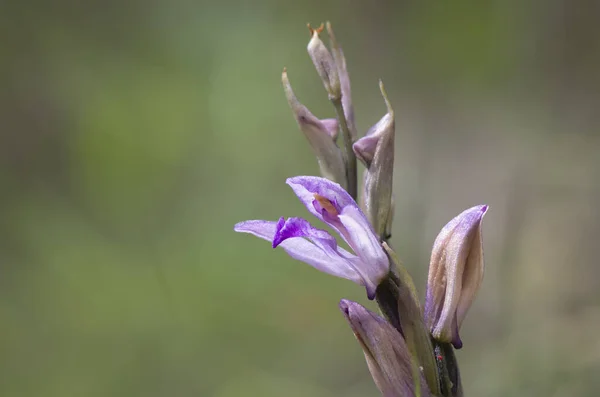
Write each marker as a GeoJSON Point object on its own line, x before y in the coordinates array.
{"type": "Point", "coordinates": [133, 135]}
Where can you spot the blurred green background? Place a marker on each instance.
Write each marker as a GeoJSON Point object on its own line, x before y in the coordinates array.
{"type": "Point", "coordinates": [135, 134]}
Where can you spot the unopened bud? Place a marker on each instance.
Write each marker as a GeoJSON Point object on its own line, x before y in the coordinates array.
{"type": "Point", "coordinates": [455, 275]}
{"type": "Point", "coordinates": [376, 151]}
{"type": "Point", "coordinates": [321, 135]}
{"type": "Point", "coordinates": [340, 62]}
{"type": "Point", "coordinates": [324, 63]}
{"type": "Point", "coordinates": [394, 371]}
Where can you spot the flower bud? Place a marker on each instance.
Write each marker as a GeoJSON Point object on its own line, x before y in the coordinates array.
{"type": "Point", "coordinates": [324, 63]}
{"type": "Point", "coordinates": [455, 274]}
{"type": "Point", "coordinates": [340, 62]}
{"type": "Point", "coordinates": [376, 151]}
{"type": "Point", "coordinates": [390, 363]}
{"type": "Point", "coordinates": [321, 135]}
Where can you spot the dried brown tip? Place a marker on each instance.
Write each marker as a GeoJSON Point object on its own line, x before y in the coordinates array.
{"type": "Point", "coordinates": [317, 30]}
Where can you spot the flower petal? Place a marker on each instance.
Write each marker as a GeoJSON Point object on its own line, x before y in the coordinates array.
{"type": "Point", "coordinates": [455, 274]}
{"type": "Point", "coordinates": [305, 187]}
{"type": "Point", "coordinates": [330, 203]}
{"type": "Point", "coordinates": [358, 233]}
{"type": "Point", "coordinates": [366, 146]}
{"type": "Point", "coordinates": [322, 254]}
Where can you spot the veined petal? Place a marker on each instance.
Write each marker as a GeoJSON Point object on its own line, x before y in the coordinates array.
{"type": "Point", "coordinates": [455, 274]}
{"type": "Point", "coordinates": [321, 253]}
{"type": "Point", "coordinates": [358, 233]}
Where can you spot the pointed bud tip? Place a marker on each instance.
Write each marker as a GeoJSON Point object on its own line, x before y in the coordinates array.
{"type": "Point", "coordinates": [284, 79]}
{"type": "Point", "coordinates": [353, 311]}
{"type": "Point", "coordinates": [330, 33]}
{"type": "Point", "coordinates": [385, 98]}
{"type": "Point", "coordinates": [344, 306]}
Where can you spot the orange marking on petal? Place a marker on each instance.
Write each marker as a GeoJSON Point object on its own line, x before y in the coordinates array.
{"type": "Point", "coordinates": [326, 204]}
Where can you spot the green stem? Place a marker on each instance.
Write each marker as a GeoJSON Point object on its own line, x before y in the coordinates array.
{"type": "Point", "coordinates": [397, 303]}
{"type": "Point", "coordinates": [450, 383]}
{"type": "Point", "coordinates": [349, 157]}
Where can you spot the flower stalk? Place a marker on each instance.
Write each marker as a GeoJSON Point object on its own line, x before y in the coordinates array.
{"type": "Point", "coordinates": [349, 158]}
{"type": "Point", "coordinates": [409, 350]}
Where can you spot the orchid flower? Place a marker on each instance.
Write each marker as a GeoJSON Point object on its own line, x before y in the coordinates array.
{"type": "Point", "coordinates": [368, 265]}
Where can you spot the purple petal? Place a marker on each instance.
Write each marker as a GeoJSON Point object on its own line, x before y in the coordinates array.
{"type": "Point", "coordinates": [364, 148]}
{"type": "Point", "coordinates": [323, 254]}
{"type": "Point", "coordinates": [358, 233]}
{"type": "Point", "coordinates": [263, 229]}
{"type": "Point", "coordinates": [330, 126]}
{"type": "Point", "coordinates": [306, 187]}
{"type": "Point", "coordinates": [298, 227]}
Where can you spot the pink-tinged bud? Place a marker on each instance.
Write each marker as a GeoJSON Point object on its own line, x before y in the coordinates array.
{"type": "Point", "coordinates": [321, 135]}
{"type": "Point", "coordinates": [324, 63]}
{"type": "Point", "coordinates": [376, 151]}
{"type": "Point", "coordinates": [455, 275]}
{"type": "Point", "coordinates": [394, 371]}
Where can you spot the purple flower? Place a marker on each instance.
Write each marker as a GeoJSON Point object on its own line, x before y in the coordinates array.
{"type": "Point", "coordinates": [386, 352]}
{"type": "Point", "coordinates": [329, 202]}
{"type": "Point", "coordinates": [455, 274]}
